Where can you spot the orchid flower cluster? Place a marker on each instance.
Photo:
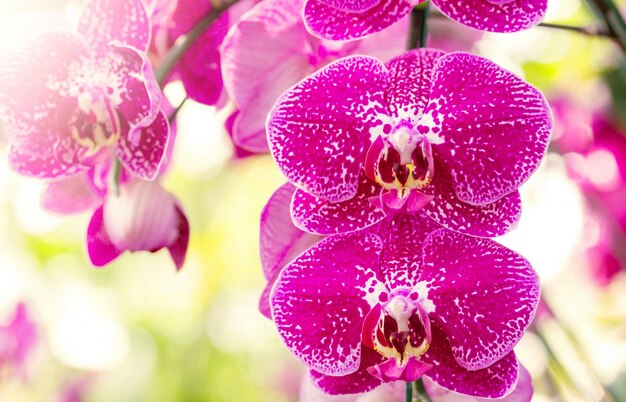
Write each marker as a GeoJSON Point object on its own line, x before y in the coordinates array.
{"type": "Point", "coordinates": [401, 167]}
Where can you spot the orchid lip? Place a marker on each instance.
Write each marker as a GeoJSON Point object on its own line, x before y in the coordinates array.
{"type": "Point", "coordinates": [398, 328]}
{"type": "Point", "coordinates": [91, 121]}
{"type": "Point", "coordinates": [400, 160]}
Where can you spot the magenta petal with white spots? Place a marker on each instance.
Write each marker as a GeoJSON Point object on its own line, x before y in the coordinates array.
{"type": "Point", "coordinates": [494, 381]}
{"type": "Point", "coordinates": [334, 23]}
{"type": "Point", "coordinates": [142, 151]}
{"type": "Point", "coordinates": [263, 55]}
{"type": "Point", "coordinates": [45, 157]}
{"type": "Point", "coordinates": [316, 215]}
{"type": "Point", "coordinates": [495, 15]}
{"type": "Point", "coordinates": [100, 249]}
{"type": "Point", "coordinates": [404, 236]}
{"type": "Point", "coordinates": [331, 114]}
{"type": "Point", "coordinates": [467, 277]}
{"type": "Point", "coordinates": [123, 21]}
{"type": "Point", "coordinates": [358, 382]}
{"type": "Point", "coordinates": [489, 220]}
{"type": "Point", "coordinates": [523, 391]}
{"type": "Point", "coordinates": [329, 283]}
{"type": "Point", "coordinates": [351, 5]}
{"type": "Point", "coordinates": [131, 78]}
{"type": "Point", "coordinates": [410, 81]}
{"type": "Point", "coordinates": [28, 98]}
{"type": "Point", "coordinates": [495, 127]}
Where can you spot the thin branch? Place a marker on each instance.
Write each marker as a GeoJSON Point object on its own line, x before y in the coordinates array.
{"type": "Point", "coordinates": [611, 16]}
{"type": "Point", "coordinates": [179, 50]}
{"type": "Point", "coordinates": [588, 31]}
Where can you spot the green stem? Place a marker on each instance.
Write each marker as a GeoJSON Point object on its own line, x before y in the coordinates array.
{"type": "Point", "coordinates": [114, 177]}
{"type": "Point", "coordinates": [408, 394]}
{"type": "Point", "coordinates": [179, 50]}
{"type": "Point", "coordinates": [175, 113]}
{"type": "Point", "coordinates": [587, 31]}
{"type": "Point", "coordinates": [611, 16]}
{"type": "Point", "coordinates": [418, 28]}
{"type": "Point", "coordinates": [420, 390]}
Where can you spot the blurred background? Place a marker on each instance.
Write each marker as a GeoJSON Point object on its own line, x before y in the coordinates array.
{"type": "Point", "coordinates": [139, 331]}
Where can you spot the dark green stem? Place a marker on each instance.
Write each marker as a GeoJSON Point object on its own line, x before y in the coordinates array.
{"type": "Point", "coordinates": [175, 113]}
{"type": "Point", "coordinates": [114, 176]}
{"type": "Point", "coordinates": [587, 31]}
{"type": "Point", "coordinates": [408, 394]}
{"type": "Point", "coordinates": [179, 50]}
{"type": "Point", "coordinates": [420, 390]}
{"type": "Point", "coordinates": [418, 28]}
{"type": "Point", "coordinates": [610, 15]}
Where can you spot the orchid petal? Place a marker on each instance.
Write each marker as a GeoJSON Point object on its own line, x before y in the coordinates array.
{"type": "Point", "coordinates": [494, 381]}
{"type": "Point", "coordinates": [99, 246]}
{"type": "Point", "coordinates": [327, 283]}
{"type": "Point", "coordinates": [328, 22]}
{"type": "Point", "coordinates": [331, 114]}
{"type": "Point", "coordinates": [495, 15]}
{"type": "Point", "coordinates": [466, 277]}
{"type": "Point", "coordinates": [106, 21]}
{"type": "Point", "coordinates": [143, 150]}
{"type": "Point", "coordinates": [494, 127]}
{"type": "Point", "coordinates": [315, 215]}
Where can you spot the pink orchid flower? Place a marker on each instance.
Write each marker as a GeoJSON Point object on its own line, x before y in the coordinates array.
{"type": "Point", "coordinates": [70, 101]}
{"type": "Point", "coordinates": [453, 135]}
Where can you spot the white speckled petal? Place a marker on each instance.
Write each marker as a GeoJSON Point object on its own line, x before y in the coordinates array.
{"type": "Point", "coordinates": [321, 298]}
{"type": "Point", "coordinates": [143, 150]}
{"type": "Point", "coordinates": [319, 131]}
{"type": "Point", "coordinates": [123, 21]}
{"type": "Point", "coordinates": [495, 127]}
{"type": "Point", "coordinates": [494, 381]}
{"type": "Point", "coordinates": [316, 215]}
{"type": "Point", "coordinates": [523, 391]}
{"type": "Point", "coordinates": [334, 23]}
{"type": "Point", "coordinates": [495, 15]}
{"type": "Point", "coordinates": [31, 79]}
{"type": "Point", "coordinates": [411, 77]}
{"type": "Point", "coordinates": [484, 295]}
{"type": "Point", "coordinates": [488, 220]}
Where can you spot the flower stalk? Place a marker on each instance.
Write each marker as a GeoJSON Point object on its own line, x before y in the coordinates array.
{"type": "Point", "coordinates": [179, 50]}
{"type": "Point", "coordinates": [408, 394]}
{"type": "Point", "coordinates": [420, 390]}
{"type": "Point", "coordinates": [612, 18]}
{"type": "Point", "coordinates": [418, 28]}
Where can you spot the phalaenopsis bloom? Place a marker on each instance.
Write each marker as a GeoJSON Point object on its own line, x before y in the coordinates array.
{"type": "Point", "coordinates": [453, 135]}
{"type": "Point", "coordinates": [142, 217]}
{"type": "Point", "coordinates": [404, 299]}
{"type": "Point", "coordinates": [269, 50]}
{"type": "Point", "coordinates": [350, 19]}
{"type": "Point", "coordinates": [70, 101]}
